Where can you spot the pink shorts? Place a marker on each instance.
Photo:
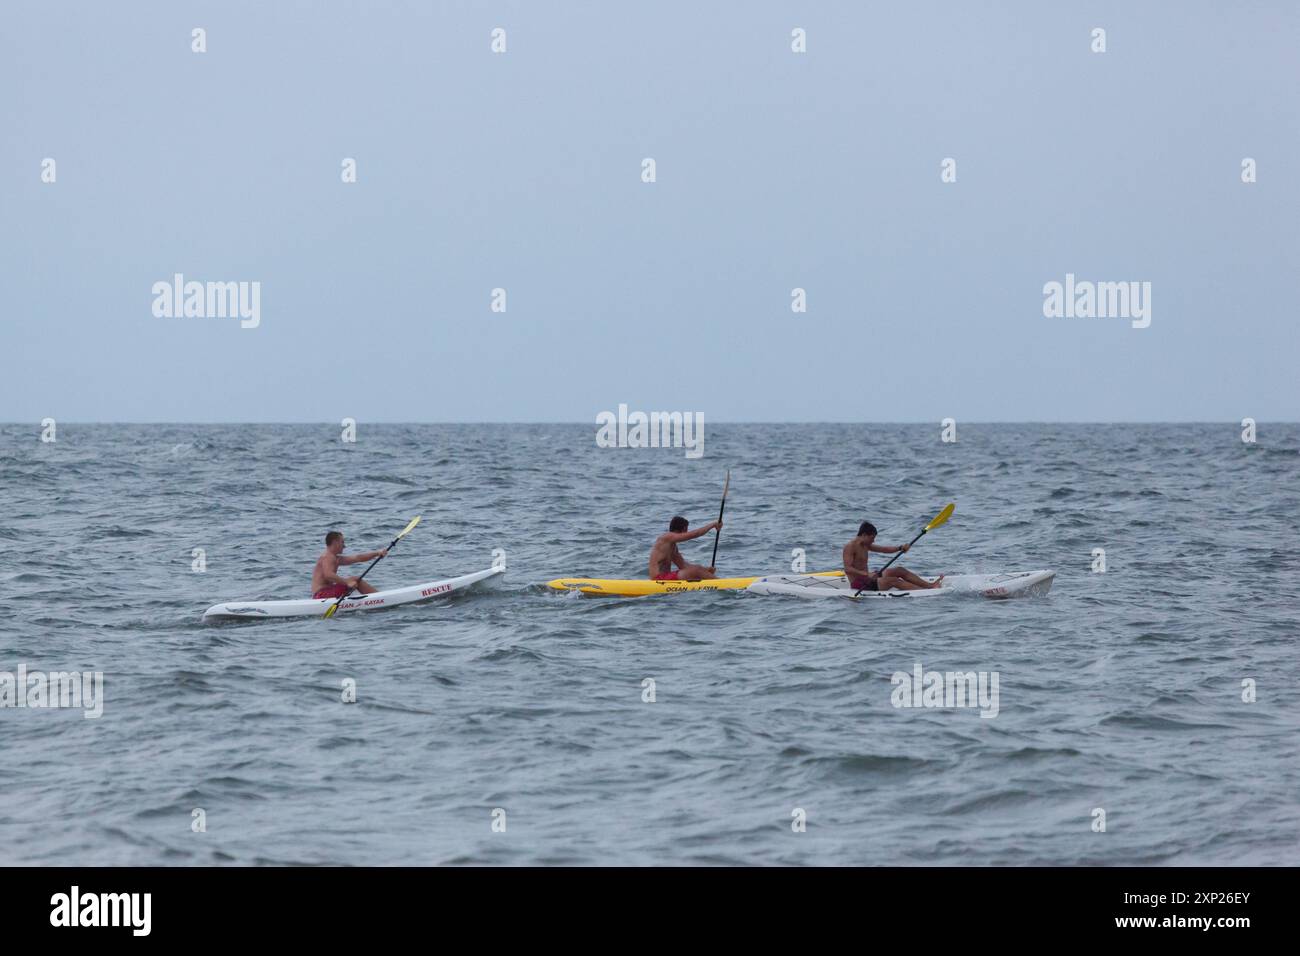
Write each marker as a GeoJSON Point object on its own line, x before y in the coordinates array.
{"type": "Point", "coordinates": [332, 591]}
{"type": "Point", "coordinates": [666, 576]}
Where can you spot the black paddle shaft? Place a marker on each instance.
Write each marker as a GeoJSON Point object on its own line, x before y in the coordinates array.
{"type": "Point", "coordinates": [718, 534]}
{"type": "Point", "coordinates": [900, 550]}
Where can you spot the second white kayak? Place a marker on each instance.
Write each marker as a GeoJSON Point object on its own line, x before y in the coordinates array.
{"type": "Point", "coordinates": [315, 607]}
{"type": "Point", "coordinates": [1012, 585]}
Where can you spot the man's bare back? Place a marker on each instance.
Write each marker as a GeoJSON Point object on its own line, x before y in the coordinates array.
{"type": "Point", "coordinates": [326, 582]}
{"type": "Point", "coordinates": [665, 554]}
{"type": "Point", "coordinates": [891, 578]}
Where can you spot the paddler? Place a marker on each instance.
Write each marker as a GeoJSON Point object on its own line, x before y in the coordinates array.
{"type": "Point", "coordinates": [855, 565]}
{"type": "Point", "coordinates": [665, 554]}
{"type": "Point", "coordinates": [325, 579]}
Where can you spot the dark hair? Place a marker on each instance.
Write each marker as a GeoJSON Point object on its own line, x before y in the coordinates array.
{"type": "Point", "coordinates": [866, 528]}
{"type": "Point", "coordinates": [332, 537]}
{"type": "Point", "coordinates": [678, 524]}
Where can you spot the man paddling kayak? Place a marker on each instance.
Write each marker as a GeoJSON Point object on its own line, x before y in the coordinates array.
{"type": "Point", "coordinates": [665, 554]}
{"type": "Point", "coordinates": [855, 565]}
{"type": "Point", "coordinates": [325, 579]}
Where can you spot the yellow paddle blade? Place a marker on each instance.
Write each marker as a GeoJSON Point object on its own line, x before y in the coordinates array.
{"type": "Point", "coordinates": [943, 516]}
{"type": "Point", "coordinates": [329, 611]}
{"type": "Point", "coordinates": [406, 530]}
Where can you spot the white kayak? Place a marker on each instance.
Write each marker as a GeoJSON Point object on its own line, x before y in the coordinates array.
{"type": "Point", "coordinates": [315, 607]}
{"type": "Point", "coordinates": [1013, 585]}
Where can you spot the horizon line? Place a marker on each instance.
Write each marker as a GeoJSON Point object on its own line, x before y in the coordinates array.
{"type": "Point", "coordinates": [379, 421]}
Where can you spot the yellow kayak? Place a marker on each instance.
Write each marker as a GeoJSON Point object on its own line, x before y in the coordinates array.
{"type": "Point", "coordinates": [640, 587]}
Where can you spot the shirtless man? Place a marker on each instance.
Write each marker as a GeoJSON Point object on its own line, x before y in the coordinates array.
{"type": "Point", "coordinates": [325, 579]}
{"type": "Point", "coordinates": [855, 565]}
{"type": "Point", "coordinates": [665, 554]}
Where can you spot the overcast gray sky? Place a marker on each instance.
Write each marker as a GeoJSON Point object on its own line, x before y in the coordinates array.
{"type": "Point", "coordinates": [775, 171]}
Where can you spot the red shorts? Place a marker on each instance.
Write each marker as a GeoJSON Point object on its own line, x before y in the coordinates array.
{"type": "Point", "coordinates": [332, 591]}
{"type": "Point", "coordinates": [666, 576]}
{"type": "Point", "coordinates": [864, 584]}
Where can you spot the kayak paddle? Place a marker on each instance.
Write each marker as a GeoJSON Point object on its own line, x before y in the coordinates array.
{"type": "Point", "coordinates": [329, 612]}
{"type": "Point", "coordinates": [718, 531]}
{"type": "Point", "coordinates": [939, 519]}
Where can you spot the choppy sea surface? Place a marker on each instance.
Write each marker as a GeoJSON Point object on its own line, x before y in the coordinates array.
{"type": "Point", "coordinates": [1126, 692]}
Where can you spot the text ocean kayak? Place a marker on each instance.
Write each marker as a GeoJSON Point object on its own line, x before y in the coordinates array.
{"type": "Point", "coordinates": [640, 587]}
{"type": "Point", "coordinates": [314, 607]}
{"type": "Point", "coordinates": [1013, 585]}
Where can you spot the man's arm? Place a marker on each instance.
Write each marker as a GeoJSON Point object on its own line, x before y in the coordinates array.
{"type": "Point", "coordinates": [678, 536]}
{"type": "Point", "coordinates": [358, 558]}
{"type": "Point", "coordinates": [888, 548]}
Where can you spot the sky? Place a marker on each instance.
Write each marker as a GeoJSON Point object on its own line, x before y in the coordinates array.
{"type": "Point", "coordinates": [774, 171]}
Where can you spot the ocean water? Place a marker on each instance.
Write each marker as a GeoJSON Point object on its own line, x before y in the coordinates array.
{"type": "Point", "coordinates": [1120, 691]}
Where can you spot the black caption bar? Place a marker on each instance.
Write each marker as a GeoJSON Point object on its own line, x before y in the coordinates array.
{"type": "Point", "coordinates": [333, 906]}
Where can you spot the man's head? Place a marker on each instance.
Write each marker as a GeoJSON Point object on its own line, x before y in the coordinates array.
{"type": "Point", "coordinates": [334, 542]}
{"type": "Point", "coordinates": [678, 524]}
{"type": "Point", "coordinates": [867, 530]}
